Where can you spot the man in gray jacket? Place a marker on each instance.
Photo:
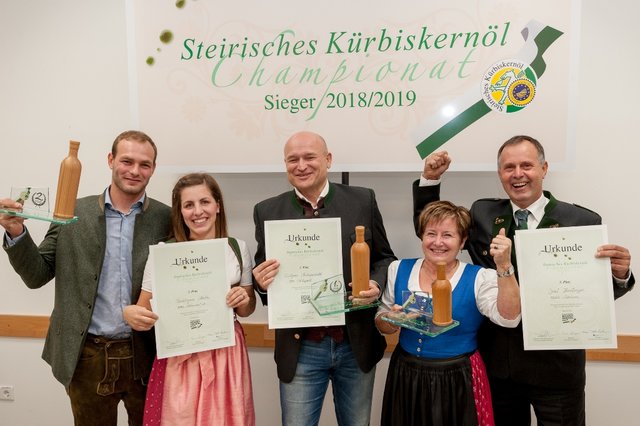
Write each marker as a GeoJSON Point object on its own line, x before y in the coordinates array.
{"type": "Point", "coordinates": [98, 263]}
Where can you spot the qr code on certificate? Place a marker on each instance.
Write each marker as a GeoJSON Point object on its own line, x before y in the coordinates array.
{"type": "Point", "coordinates": [305, 298]}
{"type": "Point", "coordinates": [195, 323]}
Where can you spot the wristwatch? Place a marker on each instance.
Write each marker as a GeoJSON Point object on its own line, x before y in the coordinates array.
{"type": "Point", "coordinates": [506, 273]}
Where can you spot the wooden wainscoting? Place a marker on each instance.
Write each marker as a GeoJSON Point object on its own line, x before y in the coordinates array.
{"type": "Point", "coordinates": [258, 335]}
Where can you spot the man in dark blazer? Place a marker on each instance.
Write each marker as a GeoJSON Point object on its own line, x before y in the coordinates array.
{"type": "Point", "coordinates": [98, 263]}
{"type": "Point", "coordinates": [308, 358]}
{"type": "Point", "coordinates": [551, 381]}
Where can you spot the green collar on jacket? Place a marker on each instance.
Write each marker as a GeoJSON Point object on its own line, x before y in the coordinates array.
{"type": "Point", "coordinates": [327, 199]}
{"type": "Point", "coordinates": [548, 221]}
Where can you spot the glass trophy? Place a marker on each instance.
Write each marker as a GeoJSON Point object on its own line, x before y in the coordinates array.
{"type": "Point", "coordinates": [35, 201]}
{"type": "Point", "coordinates": [417, 315]}
{"type": "Point", "coordinates": [35, 205]}
{"type": "Point", "coordinates": [329, 296]}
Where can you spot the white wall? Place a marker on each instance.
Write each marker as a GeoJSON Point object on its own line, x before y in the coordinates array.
{"type": "Point", "coordinates": [64, 76]}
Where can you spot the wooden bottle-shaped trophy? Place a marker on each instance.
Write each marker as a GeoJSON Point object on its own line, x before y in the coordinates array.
{"type": "Point", "coordinates": [68, 182]}
{"type": "Point", "coordinates": [359, 263]}
{"type": "Point", "coordinates": [441, 291]}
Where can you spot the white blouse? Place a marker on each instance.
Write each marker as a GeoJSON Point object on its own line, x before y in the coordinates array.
{"type": "Point", "coordinates": [485, 290]}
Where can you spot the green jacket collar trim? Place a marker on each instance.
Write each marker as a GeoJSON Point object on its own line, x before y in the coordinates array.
{"type": "Point", "coordinates": [327, 199]}
{"type": "Point", "coordinates": [506, 220]}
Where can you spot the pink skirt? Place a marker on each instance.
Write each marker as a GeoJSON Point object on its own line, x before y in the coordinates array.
{"type": "Point", "coordinates": [481, 391]}
{"type": "Point", "coordinates": [205, 388]}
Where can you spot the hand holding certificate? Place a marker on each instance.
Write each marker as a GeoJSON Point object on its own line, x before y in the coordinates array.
{"type": "Point", "coordinates": [189, 296]}
{"type": "Point", "coordinates": [566, 292]}
{"type": "Point", "coordinates": [310, 256]}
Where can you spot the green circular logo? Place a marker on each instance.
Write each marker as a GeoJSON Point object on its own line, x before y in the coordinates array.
{"type": "Point", "coordinates": [509, 86]}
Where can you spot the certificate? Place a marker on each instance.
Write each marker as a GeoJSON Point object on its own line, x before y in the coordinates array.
{"type": "Point", "coordinates": [566, 292]}
{"type": "Point", "coordinates": [190, 285]}
{"type": "Point", "coordinates": [310, 256]}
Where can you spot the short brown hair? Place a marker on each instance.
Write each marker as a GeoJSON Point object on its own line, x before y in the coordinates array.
{"type": "Point", "coordinates": [180, 231]}
{"type": "Point", "coordinates": [438, 211]}
{"type": "Point", "coordinates": [134, 135]}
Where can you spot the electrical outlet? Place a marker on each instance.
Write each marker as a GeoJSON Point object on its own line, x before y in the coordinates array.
{"type": "Point", "coordinates": [6, 393]}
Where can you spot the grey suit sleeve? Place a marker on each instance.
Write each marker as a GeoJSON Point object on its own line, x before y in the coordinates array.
{"type": "Point", "coordinates": [35, 265]}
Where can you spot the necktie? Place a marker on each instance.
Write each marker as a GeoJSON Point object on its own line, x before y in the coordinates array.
{"type": "Point", "coordinates": [521, 218]}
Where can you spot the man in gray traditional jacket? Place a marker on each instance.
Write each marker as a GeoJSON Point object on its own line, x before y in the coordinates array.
{"type": "Point", "coordinates": [98, 263]}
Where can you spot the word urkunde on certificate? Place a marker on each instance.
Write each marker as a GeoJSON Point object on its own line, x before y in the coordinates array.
{"type": "Point", "coordinates": [310, 255]}
{"type": "Point", "coordinates": [190, 285]}
{"type": "Point", "coordinates": [566, 292]}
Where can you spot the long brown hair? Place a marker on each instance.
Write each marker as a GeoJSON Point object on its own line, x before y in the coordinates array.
{"type": "Point", "coordinates": [179, 229]}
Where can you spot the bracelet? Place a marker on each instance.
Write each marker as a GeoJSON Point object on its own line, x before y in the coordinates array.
{"type": "Point", "coordinates": [506, 273]}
